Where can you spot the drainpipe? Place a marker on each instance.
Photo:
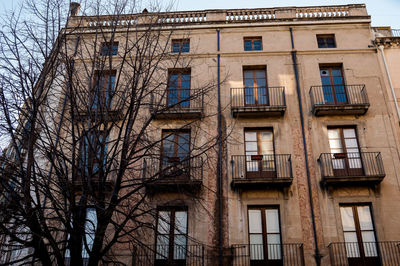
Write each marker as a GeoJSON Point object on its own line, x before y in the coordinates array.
{"type": "Point", "coordinates": [219, 163]}
{"type": "Point", "coordinates": [380, 47]}
{"type": "Point", "coordinates": [317, 255]}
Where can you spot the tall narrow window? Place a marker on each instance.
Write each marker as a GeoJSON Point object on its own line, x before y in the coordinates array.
{"type": "Point", "coordinates": [181, 45]}
{"type": "Point", "coordinates": [333, 86]}
{"type": "Point", "coordinates": [94, 153]}
{"type": "Point", "coordinates": [264, 236]}
{"type": "Point", "coordinates": [359, 235]}
{"type": "Point", "coordinates": [260, 159]}
{"type": "Point", "coordinates": [178, 94]}
{"type": "Point", "coordinates": [252, 43]}
{"type": "Point", "coordinates": [103, 90]}
{"type": "Point", "coordinates": [176, 154]}
{"type": "Point", "coordinates": [326, 40]}
{"type": "Point", "coordinates": [346, 159]}
{"type": "Point", "coordinates": [255, 86]}
{"type": "Point", "coordinates": [171, 239]}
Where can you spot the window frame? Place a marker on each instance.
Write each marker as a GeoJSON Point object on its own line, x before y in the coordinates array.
{"type": "Point", "coordinates": [254, 69]}
{"type": "Point", "coordinates": [183, 46]}
{"type": "Point", "coordinates": [323, 43]}
{"type": "Point", "coordinates": [109, 48]}
{"type": "Point", "coordinates": [88, 158]}
{"type": "Point", "coordinates": [252, 40]}
{"type": "Point", "coordinates": [332, 85]}
{"type": "Point", "coordinates": [171, 234]}
{"type": "Point", "coordinates": [179, 102]}
{"type": "Point", "coordinates": [264, 233]}
{"type": "Point", "coordinates": [104, 88]}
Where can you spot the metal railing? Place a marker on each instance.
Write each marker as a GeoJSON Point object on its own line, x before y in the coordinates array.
{"type": "Point", "coordinates": [258, 97]}
{"type": "Point", "coordinates": [278, 254]}
{"type": "Point", "coordinates": [368, 164]}
{"type": "Point", "coordinates": [338, 95]}
{"type": "Point", "coordinates": [189, 255]}
{"type": "Point", "coordinates": [386, 253]}
{"type": "Point", "coordinates": [173, 168]}
{"type": "Point", "coordinates": [261, 166]}
{"type": "Point", "coordinates": [177, 100]}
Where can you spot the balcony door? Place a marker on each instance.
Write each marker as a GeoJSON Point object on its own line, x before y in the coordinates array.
{"type": "Point", "coordinates": [346, 158]}
{"type": "Point", "coordinates": [178, 94]}
{"type": "Point", "coordinates": [103, 91]}
{"type": "Point", "coordinates": [359, 235]}
{"type": "Point", "coordinates": [175, 156]}
{"type": "Point", "coordinates": [171, 239]}
{"type": "Point", "coordinates": [264, 236]}
{"type": "Point", "coordinates": [260, 158]}
{"type": "Point", "coordinates": [333, 86]}
{"type": "Point", "coordinates": [255, 87]}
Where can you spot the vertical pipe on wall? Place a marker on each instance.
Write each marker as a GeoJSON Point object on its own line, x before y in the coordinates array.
{"type": "Point", "coordinates": [219, 163]}
{"type": "Point", "coordinates": [380, 47]}
{"type": "Point", "coordinates": [317, 254]}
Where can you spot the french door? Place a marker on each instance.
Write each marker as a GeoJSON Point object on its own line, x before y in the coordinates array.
{"type": "Point", "coordinates": [175, 157]}
{"type": "Point", "coordinates": [333, 86]}
{"type": "Point", "coordinates": [346, 157]}
{"type": "Point", "coordinates": [178, 93]}
{"type": "Point", "coordinates": [359, 235]}
{"type": "Point", "coordinates": [260, 157]}
{"type": "Point", "coordinates": [264, 236]}
{"type": "Point", "coordinates": [255, 87]}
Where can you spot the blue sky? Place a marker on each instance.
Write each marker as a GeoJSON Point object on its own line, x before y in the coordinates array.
{"type": "Point", "coordinates": [383, 12]}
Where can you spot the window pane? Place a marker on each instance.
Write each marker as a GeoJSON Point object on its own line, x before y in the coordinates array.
{"type": "Point", "coordinates": [352, 248]}
{"type": "Point", "coordinates": [257, 45]}
{"type": "Point", "coordinates": [250, 136]}
{"type": "Point", "coordinates": [335, 144]}
{"type": "Point", "coordinates": [180, 222]}
{"type": "Point", "coordinates": [163, 222]}
{"type": "Point", "coordinates": [334, 133]}
{"type": "Point", "coordinates": [351, 143]}
{"type": "Point", "coordinates": [251, 146]}
{"type": "Point", "coordinates": [347, 218]}
{"type": "Point", "coordinates": [369, 244]}
{"type": "Point", "coordinates": [247, 45]}
{"type": "Point", "coordinates": [179, 247]}
{"type": "Point", "coordinates": [272, 218]}
{"type": "Point", "coordinates": [256, 247]}
{"type": "Point", "coordinates": [364, 215]}
{"type": "Point", "coordinates": [162, 246]}
{"type": "Point", "coordinates": [349, 133]}
{"type": "Point", "coordinates": [255, 225]}
{"type": "Point", "coordinates": [274, 247]}
{"type": "Point", "coordinates": [260, 74]}
{"type": "Point", "coordinates": [90, 230]}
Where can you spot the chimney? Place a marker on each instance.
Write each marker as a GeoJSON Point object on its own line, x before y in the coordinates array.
{"type": "Point", "coordinates": [74, 8]}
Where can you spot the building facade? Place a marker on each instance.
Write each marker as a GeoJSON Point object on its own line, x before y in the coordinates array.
{"type": "Point", "coordinates": [306, 167]}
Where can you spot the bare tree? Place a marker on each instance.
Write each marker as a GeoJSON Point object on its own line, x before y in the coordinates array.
{"type": "Point", "coordinates": [83, 99]}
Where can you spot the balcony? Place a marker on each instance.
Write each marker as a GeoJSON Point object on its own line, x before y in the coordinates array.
{"type": "Point", "coordinates": [277, 254]}
{"type": "Point", "coordinates": [173, 174]}
{"type": "Point", "coordinates": [258, 102]}
{"type": "Point", "coordinates": [255, 171]}
{"type": "Point", "coordinates": [351, 168]}
{"type": "Point", "coordinates": [386, 253]}
{"type": "Point", "coordinates": [339, 100]}
{"type": "Point", "coordinates": [165, 255]}
{"type": "Point", "coordinates": [102, 105]}
{"type": "Point", "coordinates": [177, 104]}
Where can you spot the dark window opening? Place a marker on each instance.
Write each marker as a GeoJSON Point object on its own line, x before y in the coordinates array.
{"type": "Point", "coordinates": [181, 46]}
{"type": "Point", "coordinates": [109, 49]}
{"type": "Point", "coordinates": [253, 44]}
{"type": "Point", "coordinates": [178, 94]}
{"type": "Point", "coordinates": [326, 41]}
{"type": "Point", "coordinates": [175, 157]}
{"type": "Point", "coordinates": [103, 90]}
{"type": "Point", "coordinates": [333, 85]}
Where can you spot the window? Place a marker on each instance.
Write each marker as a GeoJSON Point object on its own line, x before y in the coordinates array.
{"type": "Point", "coordinates": [333, 86]}
{"type": "Point", "coordinates": [109, 49]}
{"type": "Point", "coordinates": [252, 43]}
{"type": "Point", "coordinates": [175, 157]}
{"type": "Point", "coordinates": [255, 90]}
{"type": "Point", "coordinates": [359, 235]}
{"type": "Point", "coordinates": [326, 40]}
{"type": "Point", "coordinates": [103, 91]}
{"type": "Point", "coordinates": [180, 46]}
{"type": "Point", "coordinates": [94, 153]}
{"type": "Point", "coordinates": [171, 239]}
{"type": "Point", "coordinates": [346, 159]}
{"type": "Point", "coordinates": [87, 241]}
{"type": "Point", "coordinates": [264, 236]}
{"type": "Point", "coordinates": [260, 159]}
{"type": "Point", "coordinates": [178, 92]}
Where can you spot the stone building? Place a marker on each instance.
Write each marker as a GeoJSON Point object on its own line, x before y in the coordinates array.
{"type": "Point", "coordinates": [307, 166]}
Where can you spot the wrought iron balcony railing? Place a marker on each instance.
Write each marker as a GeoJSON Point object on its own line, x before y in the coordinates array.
{"type": "Point", "coordinates": [386, 253]}
{"type": "Point", "coordinates": [177, 103]}
{"type": "Point", "coordinates": [357, 167]}
{"type": "Point", "coordinates": [173, 172]}
{"type": "Point", "coordinates": [274, 169]}
{"type": "Point", "coordinates": [271, 254]}
{"type": "Point", "coordinates": [256, 101]}
{"type": "Point", "coordinates": [339, 99]}
{"type": "Point", "coordinates": [158, 255]}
